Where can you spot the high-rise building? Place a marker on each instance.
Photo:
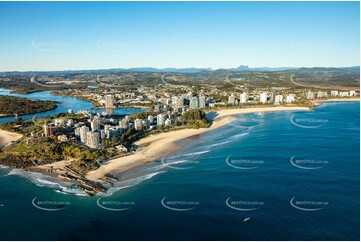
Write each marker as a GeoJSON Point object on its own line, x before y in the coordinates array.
{"type": "Point", "coordinates": [290, 98]}
{"type": "Point", "coordinates": [309, 95]}
{"type": "Point", "coordinates": [272, 97]}
{"type": "Point", "coordinates": [46, 131]}
{"type": "Point", "coordinates": [159, 107]}
{"type": "Point", "coordinates": [151, 118]}
{"type": "Point", "coordinates": [160, 119]}
{"type": "Point", "coordinates": [168, 122]}
{"type": "Point", "coordinates": [83, 133]}
{"type": "Point", "coordinates": [124, 124]}
{"type": "Point", "coordinates": [202, 102]}
{"type": "Point", "coordinates": [138, 124]}
{"type": "Point", "coordinates": [263, 97]}
{"type": "Point", "coordinates": [102, 134]}
{"type": "Point", "coordinates": [194, 103]}
{"type": "Point", "coordinates": [232, 99]}
{"type": "Point", "coordinates": [181, 102]}
{"type": "Point", "coordinates": [344, 94]}
{"type": "Point", "coordinates": [321, 94]}
{"type": "Point", "coordinates": [175, 101]}
{"type": "Point", "coordinates": [278, 99]}
{"type": "Point", "coordinates": [109, 101]}
{"type": "Point", "coordinates": [334, 93]}
{"type": "Point", "coordinates": [94, 125]}
{"type": "Point", "coordinates": [92, 139]}
{"type": "Point", "coordinates": [146, 124]}
{"type": "Point", "coordinates": [243, 97]}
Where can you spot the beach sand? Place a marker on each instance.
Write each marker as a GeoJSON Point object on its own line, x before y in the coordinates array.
{"type": "Point", "coordinates": [7, 137]}
{"type": "Point", "coordinates": [155, 147]}
{"type": "Point", "coordinates": [53, 169]}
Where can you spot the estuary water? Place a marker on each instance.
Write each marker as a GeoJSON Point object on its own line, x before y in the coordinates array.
{"type": "Point", "coordinates": [64, 104]}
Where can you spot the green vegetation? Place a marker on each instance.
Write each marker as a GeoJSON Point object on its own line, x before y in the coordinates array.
{"type": "Point", "coordinates": [47, 151]}
{"type": "Point", "coordinates": [10, 105]}
{"type": "Point", "coordinates": [195, 118]}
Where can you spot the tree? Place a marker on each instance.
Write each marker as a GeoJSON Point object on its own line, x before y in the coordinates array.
{"type": "Point", "coordinates": [114, 140]}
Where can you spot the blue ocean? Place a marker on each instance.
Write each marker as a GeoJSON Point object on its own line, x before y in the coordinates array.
{"type": "Point", "coordinates": [266, 176]}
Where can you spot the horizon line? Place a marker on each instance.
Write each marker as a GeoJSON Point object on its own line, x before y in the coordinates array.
{"type": "Point", "coordinates": [179, 68]}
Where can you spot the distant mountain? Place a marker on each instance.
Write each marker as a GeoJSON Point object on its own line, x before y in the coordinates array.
{"type": "Point", "coordinates": [247, 68]}
{"type": "Point", "coordinates": [345, 70]}
{"type": "Point", "coordinates": [113, 70]}
{"type": "Point", "coordinates": [353, 69]}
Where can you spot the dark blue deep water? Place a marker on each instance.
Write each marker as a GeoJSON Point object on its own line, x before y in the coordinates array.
{"type": "Point", "coordinates": [266, 176]}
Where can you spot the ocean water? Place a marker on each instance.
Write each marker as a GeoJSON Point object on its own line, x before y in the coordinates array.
{"type": "Point", "coordinates": [266, 176]}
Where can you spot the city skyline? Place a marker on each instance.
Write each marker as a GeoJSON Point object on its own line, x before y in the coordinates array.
{"type": "Point", "coordinates": [81, 36]}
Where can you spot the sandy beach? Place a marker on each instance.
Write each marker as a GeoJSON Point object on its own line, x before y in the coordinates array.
{"type": "Point", "coordinates": [53, 169]}
{"type": "Point", "coordinates": [7, 137]}
{"type": "Point", "coordinates": [155, 147]}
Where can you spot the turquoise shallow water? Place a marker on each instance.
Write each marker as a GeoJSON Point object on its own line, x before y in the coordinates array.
{"type": "Point", "coordinates": [264, 177]}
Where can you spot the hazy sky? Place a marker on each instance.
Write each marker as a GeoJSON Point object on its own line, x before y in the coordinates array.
{"type": "Point", "coordinates": [96, 35]}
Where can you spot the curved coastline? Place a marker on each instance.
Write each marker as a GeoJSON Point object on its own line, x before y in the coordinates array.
{"type": "Point", "coordinates": [157, 146]}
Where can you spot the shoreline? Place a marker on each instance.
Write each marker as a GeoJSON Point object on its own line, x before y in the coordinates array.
{"type": "Point", "coordinates": [155, 147]}
{"type": "Point", "coordinates": [7, 137]}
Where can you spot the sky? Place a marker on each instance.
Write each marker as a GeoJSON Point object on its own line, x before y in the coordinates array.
{"type": "Point", "coordinates": [37, 36]}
